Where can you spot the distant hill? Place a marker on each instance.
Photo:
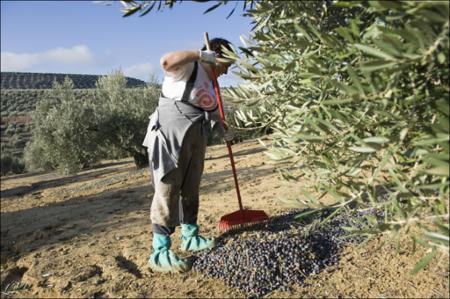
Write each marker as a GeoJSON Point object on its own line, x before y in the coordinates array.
{"type": "Point", "coordinates": [19, 80]}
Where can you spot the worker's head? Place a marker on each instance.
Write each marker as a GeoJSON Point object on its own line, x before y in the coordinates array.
{"type": "Point", "coordinates": [216, 45]}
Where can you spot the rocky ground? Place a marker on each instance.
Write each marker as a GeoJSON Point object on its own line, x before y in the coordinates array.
{"type": "Point", "coordinates": [88, 235]}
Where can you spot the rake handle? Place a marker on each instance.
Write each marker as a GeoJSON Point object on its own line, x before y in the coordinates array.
{"type": "Point", "coordinates": [222, 119]}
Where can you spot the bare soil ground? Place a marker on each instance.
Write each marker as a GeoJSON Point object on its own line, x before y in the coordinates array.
{"type": "Point", "coordinates": [89, 235]}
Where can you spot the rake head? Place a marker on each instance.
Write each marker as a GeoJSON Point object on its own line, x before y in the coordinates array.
{"type": "Point", "coordinates": [241, 218]}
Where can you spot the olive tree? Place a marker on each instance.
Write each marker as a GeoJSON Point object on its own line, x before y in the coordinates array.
{"type": "Point", "coordinates": [65, 132]}
{"type": "Point", "coordinates": [70, 133]}
{"type": "Point", "coordinates": [124, 115]}
{"type": "Point", "coordinates": [357, 93]}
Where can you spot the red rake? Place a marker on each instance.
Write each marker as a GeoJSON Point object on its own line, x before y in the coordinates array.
{"type": "Point", "coordinates": [241, 217]}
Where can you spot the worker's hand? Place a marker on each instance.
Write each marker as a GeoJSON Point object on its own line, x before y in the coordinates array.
{"type": "Point", "coordinates": [207, 56]}
{"type": "Point", "coordinates": [228, 135]}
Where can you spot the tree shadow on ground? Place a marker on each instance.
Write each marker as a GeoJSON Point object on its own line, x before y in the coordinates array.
{"type": "Point", "coordinates": [214, 181]}
{"type": "Point", "coordinates": [36, 173]}
{"type": "Point", "coordinates": [28, 230]}
{"type": "Point", "coordinates": [239, 153]}
{"type": "Point", "coordinates": [41, 185]}
{"type": "Point", "coordinates": [23, 175]}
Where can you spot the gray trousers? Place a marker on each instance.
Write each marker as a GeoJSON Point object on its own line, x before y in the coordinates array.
{"type": "Point", "coordinates": [176, 197]}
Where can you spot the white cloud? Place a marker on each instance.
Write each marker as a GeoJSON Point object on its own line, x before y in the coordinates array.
{"type": "Point", "coordinates": [140, 71]}
{"type": "Point", "coordinates": [17, 62]}
{"type": "Point", "coordinates": [77, 55]}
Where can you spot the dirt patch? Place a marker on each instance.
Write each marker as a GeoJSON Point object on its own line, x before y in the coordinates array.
{"type": "Point", "coordinates": [88, 235]}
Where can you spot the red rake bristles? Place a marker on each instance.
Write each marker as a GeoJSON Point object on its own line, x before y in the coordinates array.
{"type": "Point", "coordinates": [241, 218]}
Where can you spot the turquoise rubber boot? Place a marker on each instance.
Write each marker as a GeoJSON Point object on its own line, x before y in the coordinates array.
{"type": "Point", "coordinates": [163, 259]}
{"type": "Point", "coordinates": [191, 241]}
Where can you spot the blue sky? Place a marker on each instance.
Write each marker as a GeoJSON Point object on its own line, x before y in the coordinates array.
{"type": "Point", "coordinates": [84, 37]}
